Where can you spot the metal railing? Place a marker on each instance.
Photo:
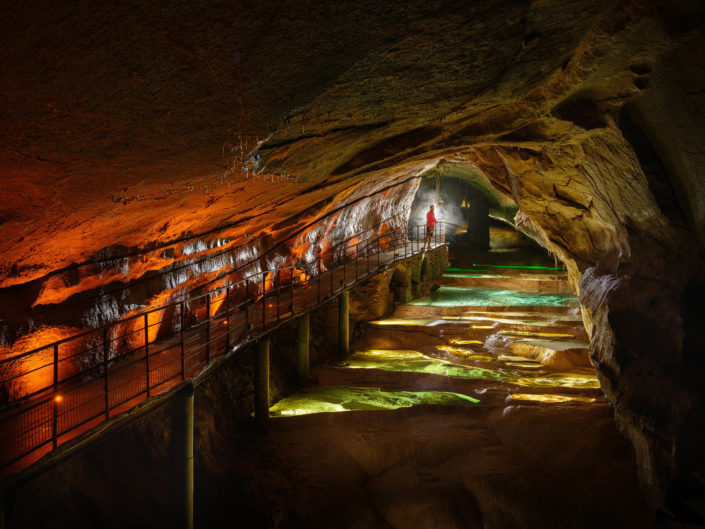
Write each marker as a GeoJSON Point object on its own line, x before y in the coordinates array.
{"type": "Point", "coordinates": [65, 388]}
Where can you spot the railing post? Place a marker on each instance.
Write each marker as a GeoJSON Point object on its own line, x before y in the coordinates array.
{"type": "Point", "coordinates": [208, 328]}
{"type": "Point", "coordinates": [357, 259]}
{"type": "Point", "coordinates": [264, 304]}
{"type": "Point", "coordinates": [405, 236]}
{"type": "Point", "coordinates": [146, 351]}
{"type": "Point", "coordinates": [2, 509]}
{"type": "Point", "coordinates": [188, 456]}
{"type": "Point", "coordinates": [344, 322]}
{"type": "Point", "coordinates": [183, 343]}
{"type": "Point", "coordinates": [227, 318]}
{"type": "Point", "coordinates": [379, 251]}
{"type": "Point", "coordinates": [247, 306]}
{"type": "Point", "coordinates": [55, 400]}
{"type": "Point", "coordinates": [367, 254]}
{"type": "Point", "coordinates": [278, 302]}
{"type": "Point", "coordinates": [106, 350]}
{"type": "Point", "coordinates": [291, 289]}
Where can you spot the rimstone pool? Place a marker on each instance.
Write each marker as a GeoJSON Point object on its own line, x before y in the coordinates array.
{"type": "Point", "coordinates": [470, 297]}
{"type": "Point", "coordinates": [473, 386]}
{"type": "Point", "coordinates": [489, 357]}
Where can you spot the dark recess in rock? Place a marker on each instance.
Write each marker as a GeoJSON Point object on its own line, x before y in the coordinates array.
{"type": "Point", "coordinates": [389, 147]}
{"type": "Point", "coordinates": [659, 181]}
{"type": "Point", "coordinates": [581, 110]}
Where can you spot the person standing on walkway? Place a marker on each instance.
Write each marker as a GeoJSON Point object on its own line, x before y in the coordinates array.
{"type": "Point", "coordinates": [430, 227]}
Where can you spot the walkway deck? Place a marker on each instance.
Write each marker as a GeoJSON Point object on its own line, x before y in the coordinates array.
{"type": "Point", "coordinates": [117, 382]}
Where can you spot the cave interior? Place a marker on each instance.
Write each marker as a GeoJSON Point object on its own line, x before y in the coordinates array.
{"type": "Point", "coordinates": [156, 151]}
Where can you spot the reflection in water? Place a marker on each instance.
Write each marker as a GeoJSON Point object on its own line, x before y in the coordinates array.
{"type": "Point", "coordinates": [397, 321]}
{"type": "Point", "coordinates": [415, 362]}
{"type": "Point", "coordinates": [473, 275]}
{"type": "Point", "coordinates": [509, 267]}
{"type": "Point", "coordinates": [566, 380]}
{"type": "Point", "coordinates": [535, 333]}
{"type": "Point", "coordinates": [524, 365]}
{"type": "Point", "coordinates": [550, 398]}
{"type": "Point", "coordinates": [337, 399]}
{"type": "Point", "coordinates": [479, 297]}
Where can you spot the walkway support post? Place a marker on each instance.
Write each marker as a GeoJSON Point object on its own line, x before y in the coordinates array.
{"type": "Point", "coordinates": [344, 322]}
{"type": "Point", "coordinates": [262, 384]}
{"type": "Point", "coordinates": [302, 347]}
{"type": "Point", "coordinates": [188, 456]}
{"type": "Point", "coordinates": [2, 509]}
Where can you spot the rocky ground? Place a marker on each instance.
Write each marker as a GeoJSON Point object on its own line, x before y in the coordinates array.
{"type": "Point", "coordinates": [428, 424]}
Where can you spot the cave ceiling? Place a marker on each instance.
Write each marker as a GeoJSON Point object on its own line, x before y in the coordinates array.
{"type": "Point", "coordinates": [130, 126]}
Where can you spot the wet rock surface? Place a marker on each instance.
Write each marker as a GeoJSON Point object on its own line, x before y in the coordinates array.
{"type": "Point", "coordinates": [448, 434]}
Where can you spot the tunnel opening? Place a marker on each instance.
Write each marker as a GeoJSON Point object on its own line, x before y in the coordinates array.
{"type": "Point", "coordinates": [482, 221]}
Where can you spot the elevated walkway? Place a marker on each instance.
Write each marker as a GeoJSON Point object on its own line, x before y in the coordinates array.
{"type": "Point", "coordinates": [72, 386]}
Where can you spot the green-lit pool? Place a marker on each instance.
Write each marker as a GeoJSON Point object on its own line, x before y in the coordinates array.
{"type": "Point", "coordinates": [416, 362]}
{"type": "Point", "coordinates": [485, 297]}
{"type": "Point", "coordinates": [511, 267]}
{"type": "Point", "coordinates": [336, 399]}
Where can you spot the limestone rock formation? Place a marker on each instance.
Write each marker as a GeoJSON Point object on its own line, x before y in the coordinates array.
{"type": "Point", "coordinates": [149, 148]}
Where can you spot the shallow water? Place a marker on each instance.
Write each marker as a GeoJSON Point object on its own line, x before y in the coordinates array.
{"type": "Point", "coordinates": [464, 356]}
{"type": "Point", "coordinates": [338, 399]}
{"type": "Point", "coordinates": [416, 362]}
{"type": "Point", "coordinates": [485, 297]}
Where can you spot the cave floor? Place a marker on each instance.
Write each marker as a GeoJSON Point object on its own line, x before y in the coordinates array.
{"type": "Point", "coordinates": [477, 414]}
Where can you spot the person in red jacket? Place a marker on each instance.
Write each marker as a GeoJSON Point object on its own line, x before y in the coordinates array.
{"type": "Point", "coordinates": [430, 227]}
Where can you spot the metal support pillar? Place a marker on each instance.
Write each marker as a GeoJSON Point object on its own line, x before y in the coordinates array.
{"type": "Point", "coordinates": [188, 456]}
{"type": "Point", "coordinates": [302, 347]}
{"type": "Point", "coordinates": [344, 322]}
{"type": "Point", "coordinates": [2, 509]}
{"type": "Point", "coordinates": [262, 384]}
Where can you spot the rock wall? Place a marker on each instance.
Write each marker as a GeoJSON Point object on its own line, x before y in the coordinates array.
{"type": "Point", "coordinates": [636, 273]}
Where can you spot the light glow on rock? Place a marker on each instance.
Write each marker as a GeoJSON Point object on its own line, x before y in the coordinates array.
{"type": "Point", "coordinates": [550, 399]}
{"type": "Point", "coordinates": [535, 333]}
{"type": "Point", "coordinates": [416, 362]}
{"type": "Point", "coordinates": [396, 321]}
{"type": "Point", "coordinates": [566, 380]}
{"type": "Point", "coordinates": [334, 399]}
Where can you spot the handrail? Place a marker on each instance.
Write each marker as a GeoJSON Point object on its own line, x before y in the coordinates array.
{"type": "Point", "coordinates": [81, 334]}
{"type": "Point", "coordinates": [182, 338]}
